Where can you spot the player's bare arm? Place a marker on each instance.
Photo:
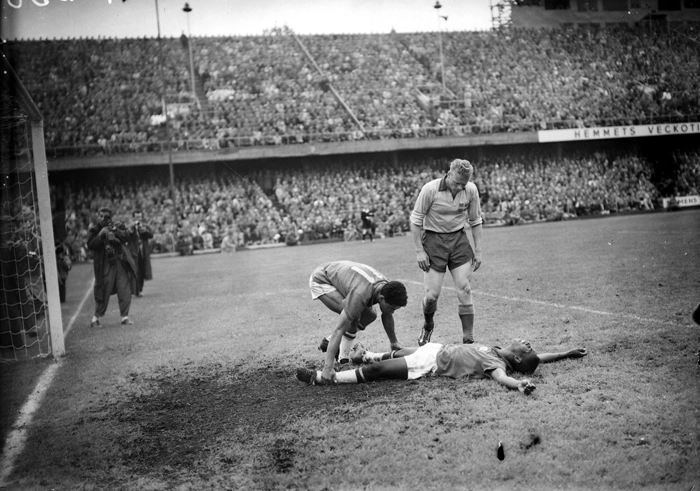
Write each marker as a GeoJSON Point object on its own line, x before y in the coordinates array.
{"type": "Point", "coordinates": [476, 235]}
{"type": "Point", "coordinates": [500, 376]}
{"type": "Point", "coordinates": [388, 323]}
{"type": "Point", "coordinates": [328, 374]}
{"type": "Point", "coordinates": [572, 353]}
{"type": "Point", "coordinates": [421, 256]}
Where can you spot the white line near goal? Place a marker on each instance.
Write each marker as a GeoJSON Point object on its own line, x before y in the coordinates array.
{"type": "Point", "coordinates": [18, 435]}
{"type": "Point", "coordinates": [561, 306]}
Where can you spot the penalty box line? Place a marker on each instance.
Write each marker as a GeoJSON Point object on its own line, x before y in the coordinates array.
{"type": "Point", "coordinates": [17, 439]}
{"type": "Point", "coordinates": [560, 306]}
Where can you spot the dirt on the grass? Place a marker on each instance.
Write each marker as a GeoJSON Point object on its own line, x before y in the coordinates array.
{"type": "Point", "coordinates": [171, 419]}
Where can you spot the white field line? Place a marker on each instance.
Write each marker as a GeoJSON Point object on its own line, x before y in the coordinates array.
{"type": "Point", "coordinates": [80, 307]}
{"type": "Point", "coordinates": [561, 306]}
{"type": "Point", "coordinates": [17, 438]}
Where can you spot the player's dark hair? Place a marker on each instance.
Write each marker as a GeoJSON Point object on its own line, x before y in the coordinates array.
{"type": "Point", "coordinates": [395, 293]}
{"type": "Point", "coordinates": [528, 363]}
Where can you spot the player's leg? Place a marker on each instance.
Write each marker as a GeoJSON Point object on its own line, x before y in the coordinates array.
{"type": "Point", "coordinates": [460, 265]}
{"type": "Point", "coordinates": [460, 276]}
{"type": "Point", "coordinates": [432, 281]}
{"type": "Point", "coordinates": [403, 364]}
{"type": "Point", "coordinates": [123, 280]}
{"type": "Point", "coordinates": [102, 301]}
{"type": "Point", "coordinates": [360, 355]}
{"type": "Point", "coordinates": [438, 253]}
{"type": "Point", "coordinates": [334, 301]}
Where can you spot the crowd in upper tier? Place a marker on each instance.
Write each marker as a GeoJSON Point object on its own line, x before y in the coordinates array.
{"type": "Point", "coordinates": [321, 201]}
{"type": "Point", "coordinates": [107, 95]}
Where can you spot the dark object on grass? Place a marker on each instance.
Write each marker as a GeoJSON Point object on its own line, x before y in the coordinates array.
{"type": "Point", "coordinates": [696, 314]}
{"type": "Point", "coordinates": [533, 439]}
{"type": "Point", "coordinates": [500, 452]}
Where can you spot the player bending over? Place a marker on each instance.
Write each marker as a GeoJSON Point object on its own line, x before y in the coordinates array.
{"type": "Point", "coordinates": [351, 290]}
{"type": "Point", "coordinates": [446, 360]}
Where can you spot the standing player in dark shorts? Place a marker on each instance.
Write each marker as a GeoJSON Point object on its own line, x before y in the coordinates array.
{"type": "Point", "coordinates": [351, 289]}
{"type": "Point", "coordinates": [446, 360]}
{"type": "Point", "coordinates": [443, 209]}
{"type": "Point", "coordinates": [367, 217]}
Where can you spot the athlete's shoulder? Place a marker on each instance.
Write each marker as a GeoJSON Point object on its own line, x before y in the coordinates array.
{"type": "Point", "coordinates": [471, 188]}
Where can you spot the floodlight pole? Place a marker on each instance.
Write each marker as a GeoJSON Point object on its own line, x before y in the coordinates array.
{"type": "Point", "coordinates": [165, 107]}
{"type": "Point", "coordinates": [437, 7]}
{"type": "Point", "coordinates": [187, 9]}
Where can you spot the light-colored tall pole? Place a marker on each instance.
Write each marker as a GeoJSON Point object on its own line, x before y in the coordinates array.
{"type": "Point", "coordinates": [165, 107]}
{"type": "Point", "coordinates": [187, 9]}
{"type": "Point", "coordinates": [437, 7]}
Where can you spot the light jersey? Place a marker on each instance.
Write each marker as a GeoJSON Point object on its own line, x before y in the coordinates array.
{"type": "Point", "coordinates": [437, 211]}
{"type": "Point", "coordinates": [356, 282]}
{"type": "Point", "coordinates": [468, 360]}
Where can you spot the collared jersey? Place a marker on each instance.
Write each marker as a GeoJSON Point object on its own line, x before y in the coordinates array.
{"type": "Point", "coordinates": [437, 211]}
{"type": "Point", "coordinates": [468, 360]}
{"type": "Point", "coordinates": [356, 282]}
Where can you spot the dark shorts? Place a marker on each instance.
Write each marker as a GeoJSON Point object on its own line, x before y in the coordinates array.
{"type": "Point", "coordinates": [450, 250]}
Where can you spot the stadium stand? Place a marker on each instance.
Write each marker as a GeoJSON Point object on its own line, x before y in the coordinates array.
{"type": "Point", "coordinates": [105, 96]}
{"type": "Point", "coordinates": [320, 200]}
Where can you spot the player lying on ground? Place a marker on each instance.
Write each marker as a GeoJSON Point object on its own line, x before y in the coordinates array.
{"type": "Point", "coordinates": [446, 360]}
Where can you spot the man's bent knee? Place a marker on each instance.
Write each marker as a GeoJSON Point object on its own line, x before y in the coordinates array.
{"type": "Point", "coordinates": [368, 316]}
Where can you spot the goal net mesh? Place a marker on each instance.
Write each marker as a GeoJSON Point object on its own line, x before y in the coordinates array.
{"type": "Point", "coordinates": [24, 329]}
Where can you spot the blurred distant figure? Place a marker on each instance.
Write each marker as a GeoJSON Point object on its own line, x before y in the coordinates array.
{"type": "Point", "coordinates": [140, 234]}
{"type": "Point", "coordinates": [228, 243]}
{"type": "Point", "coordinates": [64, 265]}
{"type": "Point", "coordinates": [368, 226]}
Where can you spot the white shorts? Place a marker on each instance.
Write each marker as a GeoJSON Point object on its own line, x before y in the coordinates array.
{"type": "Point", "coordinates": [423, 361]}
{"type": "Point", "coordinates": [318, 289]}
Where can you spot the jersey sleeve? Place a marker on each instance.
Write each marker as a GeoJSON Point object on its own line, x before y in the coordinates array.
{"type": "Point", "coordinates": [474, 209]}
{"type": "Point", "coordinates": [420, 209]}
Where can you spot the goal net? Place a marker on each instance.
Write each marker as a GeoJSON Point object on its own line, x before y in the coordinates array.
{"type": "Point", "coordinates": [30, 311]}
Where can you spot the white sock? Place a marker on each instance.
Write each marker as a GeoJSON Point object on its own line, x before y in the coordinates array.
{"type": "Point", "coordinates": [346, 344]}
{"type": "Point", "coordinates": [370, 357]}
{"type": "Point", "coordinates": [94, 318]}
{"type": "Point", "coordinates": [346, 377]}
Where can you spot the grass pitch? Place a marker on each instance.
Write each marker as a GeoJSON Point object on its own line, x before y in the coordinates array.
{"type": "Point", "coordinates": [201, 392]}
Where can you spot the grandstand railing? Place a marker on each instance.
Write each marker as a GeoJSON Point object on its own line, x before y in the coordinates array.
{"type": "Point", "coordinates": [213, 144]}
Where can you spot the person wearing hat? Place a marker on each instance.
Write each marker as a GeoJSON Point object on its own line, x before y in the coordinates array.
{"type": "Point", "coordinates": [115, 271]}
{"type": "Point", "coordinates": [439, 219]}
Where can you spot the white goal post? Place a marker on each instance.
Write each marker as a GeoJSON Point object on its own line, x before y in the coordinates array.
{"type": "Point", "coordinates": [26, 201]}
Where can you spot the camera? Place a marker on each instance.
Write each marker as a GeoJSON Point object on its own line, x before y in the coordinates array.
{"type": "Point", "coordinates": [111, 254]}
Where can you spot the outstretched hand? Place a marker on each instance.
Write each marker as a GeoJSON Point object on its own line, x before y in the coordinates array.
{"type": "Point", "coordinates": [577, 353]}
{"type": "Point", "coordinates": [526, 387]}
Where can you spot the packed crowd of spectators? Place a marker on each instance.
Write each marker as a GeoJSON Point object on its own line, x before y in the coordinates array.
{"type": "Point", "coordinates": [107, 95]}
{"type": "Point", "coordinates": [317, 201]}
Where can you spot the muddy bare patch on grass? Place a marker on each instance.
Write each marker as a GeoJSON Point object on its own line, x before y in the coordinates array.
{"type": "Point", "coordinates": [174, 417]}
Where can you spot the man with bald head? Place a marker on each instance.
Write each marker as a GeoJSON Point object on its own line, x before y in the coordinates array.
{"type": "Point", "coordinates": [439, 220]}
